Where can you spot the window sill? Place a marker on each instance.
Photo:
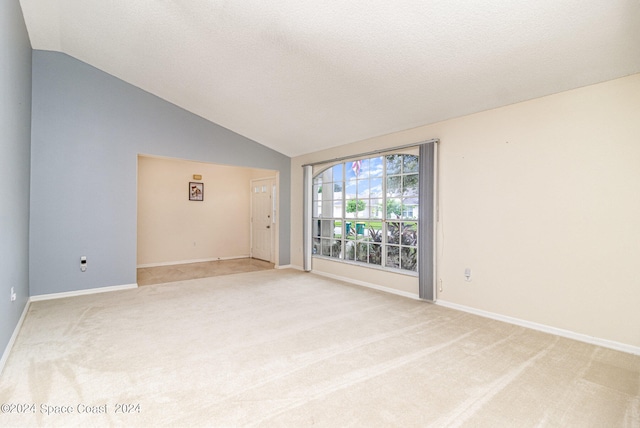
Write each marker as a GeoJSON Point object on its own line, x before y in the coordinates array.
{"type": "Point", "coordinates": [367, 265]}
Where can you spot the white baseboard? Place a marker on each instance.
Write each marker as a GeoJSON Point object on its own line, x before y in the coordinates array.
{"type": "Point", "coordinates": [7, 349]}
{"type": "Point", "coordinates": [82, 292]}
{"type": "Point", "coordinates": [369, 285]}
{"type": "Point", "coordinates": [289, 267]}
{"type": "Point", "coordinates": [605, 343]}
{"type": "Point", "coordinates": [184, 262]}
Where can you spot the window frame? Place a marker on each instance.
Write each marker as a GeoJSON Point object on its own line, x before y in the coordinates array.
{"type": "Point", "coordinates": [327, 230]}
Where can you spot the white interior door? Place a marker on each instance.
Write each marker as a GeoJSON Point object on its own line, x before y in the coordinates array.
{"type": "Point", "coordinates": [262, 219]}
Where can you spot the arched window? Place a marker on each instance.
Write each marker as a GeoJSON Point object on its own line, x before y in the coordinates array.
{"type": "Point", "coordinates": [366, 211]}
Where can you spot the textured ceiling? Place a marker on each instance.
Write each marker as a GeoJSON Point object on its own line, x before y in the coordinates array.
{"type": "Point", "coordinates": [300, 76]}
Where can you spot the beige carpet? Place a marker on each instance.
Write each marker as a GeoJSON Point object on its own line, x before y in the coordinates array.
{"type": "Point", "coordinates": [289, 349]}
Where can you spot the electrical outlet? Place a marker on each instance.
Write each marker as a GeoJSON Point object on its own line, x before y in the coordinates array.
{"type": "Point", "coordinates": [440, 285]}
{"type": "Point", "coordinates": [13, 295]}
{"type": "Point", "coordinates": [467, 274]}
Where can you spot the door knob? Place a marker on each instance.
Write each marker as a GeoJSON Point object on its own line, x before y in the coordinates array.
{"type": "Point", "coordinates": [268, 227]}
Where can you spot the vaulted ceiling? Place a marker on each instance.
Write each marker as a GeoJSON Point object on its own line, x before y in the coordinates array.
{"type": "Point", "coordinates": [300, 76]}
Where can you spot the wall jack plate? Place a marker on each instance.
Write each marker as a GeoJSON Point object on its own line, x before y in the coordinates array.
{"type": "Point", "coordinates": [13, 294]}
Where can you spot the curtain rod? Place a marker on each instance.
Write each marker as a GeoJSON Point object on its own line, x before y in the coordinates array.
{"type": "Point", "coordinates": [374, 152]}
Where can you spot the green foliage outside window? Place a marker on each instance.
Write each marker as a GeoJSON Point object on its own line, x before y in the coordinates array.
{"type": "Point", "coordinates": [394, 207]}
{"type": "Point", "coordinates": [354, 205]}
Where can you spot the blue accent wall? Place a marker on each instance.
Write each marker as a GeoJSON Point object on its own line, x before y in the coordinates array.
{"type": "Point", "coordinates": [88, 129]}
{"type": "Point", "coordinates": [15, 135]}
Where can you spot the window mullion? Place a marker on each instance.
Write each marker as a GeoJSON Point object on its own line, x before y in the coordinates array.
{"type": "Point", "coordinates": [344, 214]}
{"type": "Point", "coordinates": [384, 212]}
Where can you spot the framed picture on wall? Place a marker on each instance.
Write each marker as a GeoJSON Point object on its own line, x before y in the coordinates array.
{"type": "Point", "coordinates": [196, 191]}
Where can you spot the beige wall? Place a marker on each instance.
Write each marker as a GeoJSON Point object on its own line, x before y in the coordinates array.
{"type": "Point", "coordinates": [541, 200]}
{"type": "Point", "coordinates": [173, 229]}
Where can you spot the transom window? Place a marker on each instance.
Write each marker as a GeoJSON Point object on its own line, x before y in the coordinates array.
{"type": "Point", "coordinates": [366, 211]}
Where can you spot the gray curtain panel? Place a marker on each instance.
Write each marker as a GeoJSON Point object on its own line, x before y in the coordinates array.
{"type": "Point", "coordinates": [426, 230]}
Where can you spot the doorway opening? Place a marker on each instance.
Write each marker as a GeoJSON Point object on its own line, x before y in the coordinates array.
{"type": "Point", "coordinates": [187, 236]}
